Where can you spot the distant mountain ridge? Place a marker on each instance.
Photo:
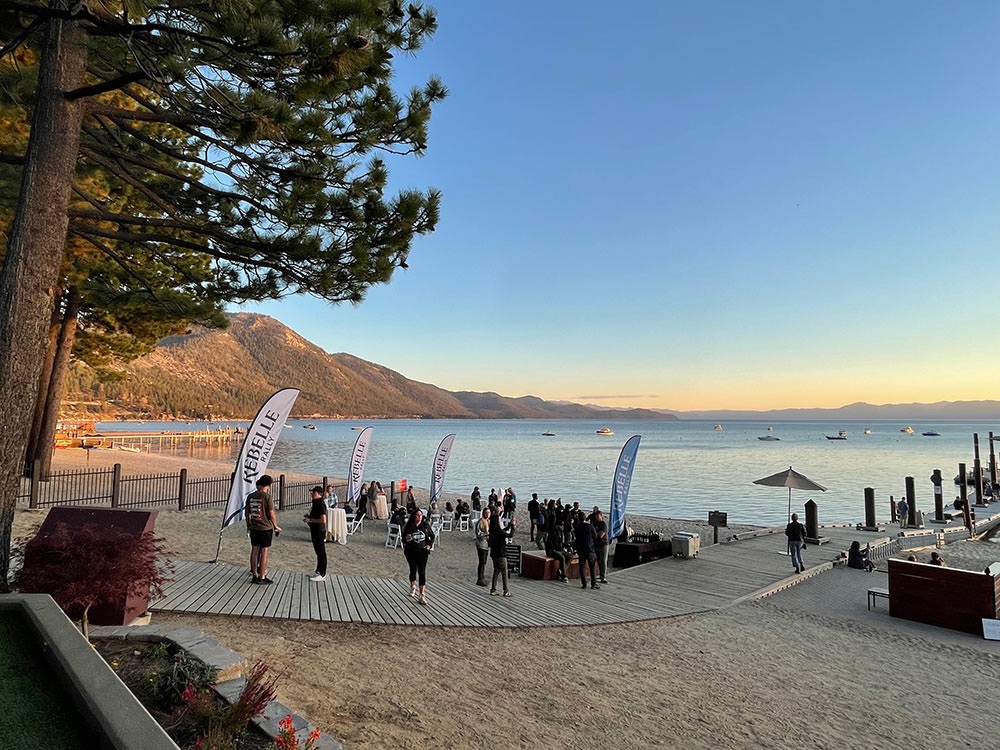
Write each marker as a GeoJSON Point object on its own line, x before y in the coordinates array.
{"type": "Point", "coordinates": [212, 374]}
{"type": "Point", "coordinates": [914, 412]}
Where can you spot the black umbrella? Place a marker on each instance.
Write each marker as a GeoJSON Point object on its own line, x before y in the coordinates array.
{"type": "Point", "coordinates": [791, 480]}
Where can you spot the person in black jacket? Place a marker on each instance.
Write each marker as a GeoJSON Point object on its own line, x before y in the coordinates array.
{"type": "Point", "coordinates": [317, 531]}
{"type": "Point", "coordinates": [796, 534]}
{"type": "Point", "coordinates": [585, 537]}
{"type": "Point", "coordinates": [418, 539]}
{"type": "Point", "coordinates": [498, 552]}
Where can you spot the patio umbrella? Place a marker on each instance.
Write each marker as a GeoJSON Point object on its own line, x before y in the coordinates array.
{"type": "Point", "coordinates": [791, 480]}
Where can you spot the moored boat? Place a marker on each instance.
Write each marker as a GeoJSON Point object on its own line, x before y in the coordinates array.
{"type": "Point", "coordinates": [908, 430]}
{"type": "Point", "coordinates": [842, 435]}
{"type": "Point", "coordinates": [718, 428]}
{"type": "Point", "coordinates": [768, 438]}
{"type": "Point", "coordinates": [931, 433]}
{"type": "Point", "coordinates": [308, 427]}
{"type": "Point", "coordinates": [551, 434]}
{"type": "Point", "coordinates": [605, 431]}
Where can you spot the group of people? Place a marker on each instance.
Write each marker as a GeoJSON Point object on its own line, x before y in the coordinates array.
{"type": "Point", "coordinates": [506, 501]}
{"type": "Point", "coordinates": [564, 531]}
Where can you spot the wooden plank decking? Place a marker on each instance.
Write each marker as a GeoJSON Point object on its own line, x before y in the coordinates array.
{"type": "Point", "coordinates": [721, 575]}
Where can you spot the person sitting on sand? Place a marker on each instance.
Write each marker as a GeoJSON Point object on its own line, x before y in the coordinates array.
{"type": "Point", "coordinates": [858, 558]}
{"type": "Point", "coordinates": [936, 559]}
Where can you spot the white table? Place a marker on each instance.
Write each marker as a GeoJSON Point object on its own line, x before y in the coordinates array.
{"type": "Point", "coordinates": [381, 509]}
{"type": "Point", "coordinates": [336, 525]}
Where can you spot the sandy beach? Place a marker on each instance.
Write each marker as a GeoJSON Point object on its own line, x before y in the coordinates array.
{"type": "Point", "coordinates": [789, 671]}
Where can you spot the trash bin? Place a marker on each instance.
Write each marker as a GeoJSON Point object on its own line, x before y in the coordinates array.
{"type": "Point", "coordinates": [685, 544]}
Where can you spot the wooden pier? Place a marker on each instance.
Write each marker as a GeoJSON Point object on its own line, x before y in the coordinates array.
{"type": "Point", "coordinates": [140, 442]}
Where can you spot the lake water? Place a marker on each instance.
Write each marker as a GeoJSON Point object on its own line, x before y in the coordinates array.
{"type": "Point", "coordinates": [683, 469]}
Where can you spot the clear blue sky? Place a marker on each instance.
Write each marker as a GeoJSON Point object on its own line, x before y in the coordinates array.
{"type": "Point", "coordinates": [699, 205]}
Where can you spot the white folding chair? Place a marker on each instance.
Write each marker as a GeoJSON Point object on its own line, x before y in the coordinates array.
{"type": "Point", "coordinates": [393, 535]}
{"type": "Point", "coordinates": [356, 524]}
{"type": "Point", "coordinates": [448, 521]}
{"type": "Point", "coordinates": [463, 522]}
{"type": "Point", "coordinates": [436, 528]}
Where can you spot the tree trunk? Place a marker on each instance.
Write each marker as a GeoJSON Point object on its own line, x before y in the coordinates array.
{"type": "Point", "coordinates": [35, 248]}
{"type": "Point", "coordinates": [57, 382]}
{"type": "Point", "coordinates": [43, 389]}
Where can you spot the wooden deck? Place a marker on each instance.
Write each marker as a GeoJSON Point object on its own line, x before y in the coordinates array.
{"type": "Point", "coordinates": [720, 575]}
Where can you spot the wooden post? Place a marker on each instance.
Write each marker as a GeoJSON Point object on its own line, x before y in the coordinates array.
{"type": "Point", "coordinates": [911, 500]}
{"type": "Point", "coordinates": [281, 492]}
{"type": "Point", "coordinates": [812, 520]}
{"type": "Point", "coordinates": [938, 496]}
{"type": "Point", "coordinates": [977, 467]}
{"type": "Point", "coordinates": [116, 485]}
{"type": "Point", "coordinates": [870, 522]}
{"type": "Point", "coordinates": [892, 510]}
{"type": "Point", "coordinates": [993, 469]}
{"type": "Point", "coordinates": [392, 492]}
{"type": "Point", "coordinates": [182, 490]}
{"type": "Point", "coordinates": [963, 492]}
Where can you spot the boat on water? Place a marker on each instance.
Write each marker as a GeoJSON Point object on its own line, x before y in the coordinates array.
{"type": "Point", "coordinates": [842, 435]}
{"type": "Point", "coordinates": [551, 434]}
{"type": "Point", "coordinates": [908, 430]}
{"type": "Point", "coordinates": [287, 425]}
{"type": "Point", "coordinates": [308, 427]}
{"type": "Point", "coordinates": [718, 428]}
{"type": "Point", "coordinates": [768, 438]}
{"type": "Point", "coordinates": [356, 427]}
{"type": "Point", "coordinates": [868, 432]}
{"type": "Point", "coordinates": [605, 431]}
{"type": "Point", "coordinates": [931, 433]}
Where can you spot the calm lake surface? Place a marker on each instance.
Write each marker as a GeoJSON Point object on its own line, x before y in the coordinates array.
{"type": "Point", "coordinates": [683, 469]}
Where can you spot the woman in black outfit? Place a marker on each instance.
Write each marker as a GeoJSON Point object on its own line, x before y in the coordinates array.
{"type": "Point", "coordinates": [418, 538]}
{"type": "Point", "coordinates": [317, 531]}
{"type": "Point", "coordinates": [498, 552]}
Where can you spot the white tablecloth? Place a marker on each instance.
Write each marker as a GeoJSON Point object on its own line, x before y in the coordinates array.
{"type": "Point", "coordinates": [381, 509]}
{"type": "Point", "coordinates": [336, 525]}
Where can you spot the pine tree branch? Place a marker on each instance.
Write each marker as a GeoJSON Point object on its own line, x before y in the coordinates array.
{"type": "Point", "coordinates": [105, 86]}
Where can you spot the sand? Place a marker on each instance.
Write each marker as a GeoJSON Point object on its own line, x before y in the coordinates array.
{"type": "Point", "coordinates": [781, 672]}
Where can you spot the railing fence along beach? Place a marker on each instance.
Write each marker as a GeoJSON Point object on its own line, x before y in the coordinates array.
{"type": "Point", "coordinates": [108, 486]}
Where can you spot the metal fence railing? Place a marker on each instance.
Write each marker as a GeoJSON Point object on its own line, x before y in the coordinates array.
{"type": "Point", "coordinates": [206, 492]}
{"type": "Point", "coordinates": [109, 487]}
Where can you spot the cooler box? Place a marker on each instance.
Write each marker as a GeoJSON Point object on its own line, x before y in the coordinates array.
{"type": "Point", "coordinates": [685, 544]}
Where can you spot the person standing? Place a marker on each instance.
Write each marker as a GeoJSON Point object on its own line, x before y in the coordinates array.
{"type": "Point", "coordinates": [262, 526]}
{"type": "Point", "coordinates": [477, 499]}
{"type": "Point", "coordinates": [533, 515]}
{"type": "Point", "coordinates": [903, 511]}
{"type": "Point", "coordinates": [600, 542]}
{"type": "Point", "coordinates": [418, 539]}
{"type": "Point", "coordinates": [370, 499]}
{"type": "Point", "coordinates": [796, 534]}
{"type": "Point", "coordinates": [585, 550]}
{"type": "Point", "coordinates": [483, 545]}
{"type": "Point", "coordinates": [498, 552]}
{"type": "Point", "coordinates": [316, 519]}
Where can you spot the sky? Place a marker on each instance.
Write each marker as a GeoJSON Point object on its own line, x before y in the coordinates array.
{"type": "Point", "coordinates": [687, 206]}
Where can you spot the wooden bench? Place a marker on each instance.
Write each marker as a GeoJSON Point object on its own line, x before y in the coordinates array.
{"type": "Point", "coordinates": [876, 592]}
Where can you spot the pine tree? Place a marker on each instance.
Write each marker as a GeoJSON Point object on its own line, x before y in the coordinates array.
{"type": "Point", "coordinates": [282, 104]}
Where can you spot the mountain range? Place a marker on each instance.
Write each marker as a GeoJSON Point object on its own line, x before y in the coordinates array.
{"type": "Point", "coordinates": [216, 374]}
{"type": "Point", "coordinates": [229, 373]}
